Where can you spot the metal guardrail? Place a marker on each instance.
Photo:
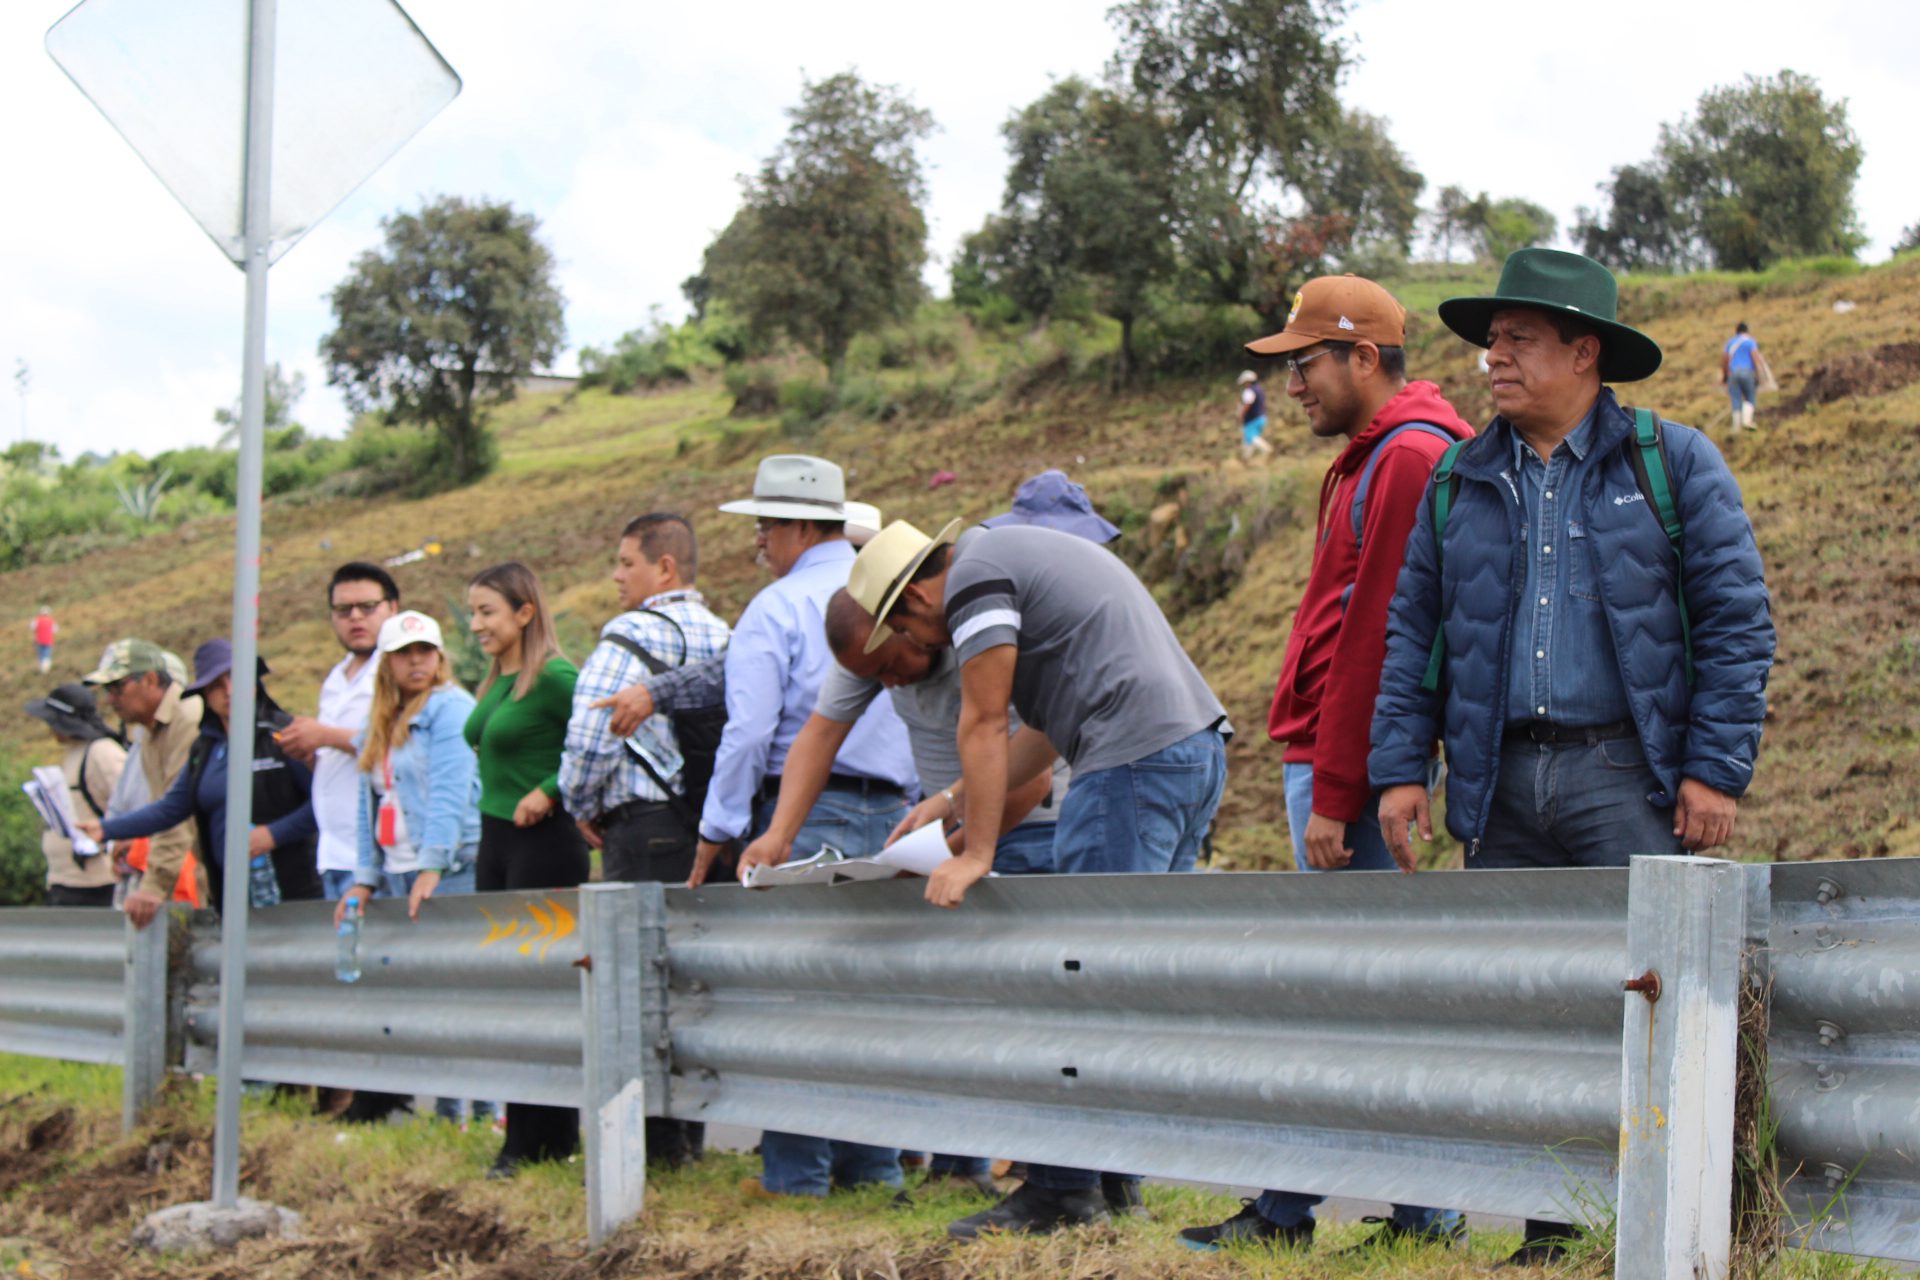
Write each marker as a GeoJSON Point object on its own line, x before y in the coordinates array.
{"type": "Point", "coordinates": [1449, 1039]}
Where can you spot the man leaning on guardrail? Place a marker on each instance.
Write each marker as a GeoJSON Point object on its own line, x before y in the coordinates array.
{"type": "Point", "coordinates": [1064, 632]}
{"type": "Point", "coordinates": [1582, 617]}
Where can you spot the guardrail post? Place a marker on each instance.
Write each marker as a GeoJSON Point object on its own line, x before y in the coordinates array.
{"type": "Point", "coordinates": [143, 1027]}
{"type": "Point", "coordinates": [614, 1109]}
{"type": "Point", "coordinates": [1686, 922]}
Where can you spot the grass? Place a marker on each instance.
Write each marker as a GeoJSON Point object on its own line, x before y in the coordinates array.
{"type": "Point", "coordinates": [408, 1200]}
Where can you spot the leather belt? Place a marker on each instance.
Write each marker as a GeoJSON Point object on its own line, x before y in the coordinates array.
{"type": "Point", "coordinates": [850, 783]}
{"type": "Point", "coordinates": [1546, 733]}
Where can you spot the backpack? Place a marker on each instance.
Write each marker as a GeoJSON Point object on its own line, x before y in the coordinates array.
{"type": "Point", "coordinates": [1648, 457]}
{"type": "Point", "coordinates": [1360, 490]}
{"type": "Point", "coordinates": [697, 731]}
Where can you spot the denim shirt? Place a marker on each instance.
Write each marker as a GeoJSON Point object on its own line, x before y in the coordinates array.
{"type": "Point", "coordinates": [1563, 667]}
{"type": "Point", "coordinates": [437, 779]}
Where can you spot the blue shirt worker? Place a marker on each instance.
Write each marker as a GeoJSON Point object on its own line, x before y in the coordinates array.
{"type": "Point", "coordinates": [1253, 417]}
{"type": "Point", "coordinates": [775, 666]}
{"type": "Point", "coordinates": [1740, 362]}
{"type": "Point", "coordinates": [1598, 683]}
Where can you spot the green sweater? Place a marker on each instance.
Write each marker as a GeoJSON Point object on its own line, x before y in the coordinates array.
{"type": "Point", "coordinates": [519, 742]}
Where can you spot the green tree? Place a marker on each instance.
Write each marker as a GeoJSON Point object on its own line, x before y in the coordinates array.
{"type": "Point", "coordinates": [1636, 227]}
{"type": "Point", "coordinates": [1089, 206]}
{"type": "Point", "coordinates": [1511, 224]}
{"type": "Point", "coordinates": [1764, 170]}
{"type": "Point", "coordinates": [830, 238]}
{"type": "Point", "coordinates": [1909, 240]}
{"type": "Point", "coordinates": [439, 324]}
{"type": "Point", "coordinates": [283, 392]}
{"type": "Point", "coordinates": [1362, 176]}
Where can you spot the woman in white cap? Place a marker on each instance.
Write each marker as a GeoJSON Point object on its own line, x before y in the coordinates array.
{"type": "Point", "coordinates": [420, 784]}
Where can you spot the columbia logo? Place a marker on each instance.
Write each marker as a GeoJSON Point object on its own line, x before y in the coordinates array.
{"type": "Point", "coordinates": [1625, 498]}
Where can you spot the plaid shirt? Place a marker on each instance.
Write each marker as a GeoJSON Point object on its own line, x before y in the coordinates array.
{"type": "Point", "coordinates": [597, 772]}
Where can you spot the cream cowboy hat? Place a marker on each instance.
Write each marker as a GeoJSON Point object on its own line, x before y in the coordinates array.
{"type": "Point", "coordinates": [884, 567]}
{"type": "Point", "coordinates": [793, 486]}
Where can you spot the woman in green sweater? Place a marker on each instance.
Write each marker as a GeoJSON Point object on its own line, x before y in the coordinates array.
{"type": "Point", "coordinates": [526, 840]}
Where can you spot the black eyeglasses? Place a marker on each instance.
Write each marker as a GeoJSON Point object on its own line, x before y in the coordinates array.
{"type": "Point", "coordinates": [365, 608]}
{"type": "Point", "coordinates": [767, 524]}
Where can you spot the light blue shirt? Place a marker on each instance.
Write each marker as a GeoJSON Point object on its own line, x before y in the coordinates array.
{"type": "Point", "coordinates": [775, 666]}
{"type": "Point", "coordinates": [1740, 348]}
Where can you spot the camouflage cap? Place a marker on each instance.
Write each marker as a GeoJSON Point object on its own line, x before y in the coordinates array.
{"type": "Point", "coordinates": [131, 657]}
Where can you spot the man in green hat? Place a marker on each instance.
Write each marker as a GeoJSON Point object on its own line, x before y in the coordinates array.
{"type": "Point", "coordinates": [1598, 681]}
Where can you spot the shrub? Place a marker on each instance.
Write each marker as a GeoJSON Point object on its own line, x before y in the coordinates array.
{"type": "Point", "coordinates": [755, 390]}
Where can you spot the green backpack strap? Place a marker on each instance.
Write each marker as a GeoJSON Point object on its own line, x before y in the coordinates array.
{"type": "Point", "coordinates": [1445, 486]}
{"type": "Point", "coordinates": [1649, 459]}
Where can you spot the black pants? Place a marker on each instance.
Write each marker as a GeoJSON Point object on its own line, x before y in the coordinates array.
{"type": "Point", "coordinates": [649, 842]}
{"type": "Point", "coordinates": [59, 895]}
{"type": "Point", "coordinates": [547, 855]}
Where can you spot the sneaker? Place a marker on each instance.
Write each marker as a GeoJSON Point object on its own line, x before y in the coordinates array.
{"type": "Point", "coordinates": [1247, 1227]}
{"type": "Point", "coordinates": [504, 1167]}
{"type": "Point", "coordinates": [1535, 1253]}
{"type": "Point", "coordinates": [1391, 1233]}
{"type": "Point", "coordinates": [1034, 1211]}
{"type": "Point", "coordinates": [1123, 1198]}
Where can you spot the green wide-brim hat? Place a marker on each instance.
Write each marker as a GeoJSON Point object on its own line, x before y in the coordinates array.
{"type": "Point", "coordinates": [1569, 283]}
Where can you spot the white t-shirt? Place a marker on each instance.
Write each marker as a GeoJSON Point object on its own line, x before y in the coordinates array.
{"type": "Point", "coordinates": [344, 704]}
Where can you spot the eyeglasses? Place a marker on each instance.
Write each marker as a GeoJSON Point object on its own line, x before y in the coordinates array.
{"type": "Point", "coordinates": [364, 608]}
{"type": "Point", "coordinates": [767, 524]}
{"type": "Point", "coordinates": [1295, 367]}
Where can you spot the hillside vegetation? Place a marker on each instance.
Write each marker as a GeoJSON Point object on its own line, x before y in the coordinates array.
{"type": "Point", "coordinates": [1829, 478]}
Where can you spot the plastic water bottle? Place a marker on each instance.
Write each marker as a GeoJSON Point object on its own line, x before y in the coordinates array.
{"type": "Point", "coordinates": [263, 886]}
{"type": "Point", "coordinates": [346, 964]}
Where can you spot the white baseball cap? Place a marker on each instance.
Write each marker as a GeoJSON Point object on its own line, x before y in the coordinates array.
{"type": "Point", "coordinates": [411, 627]}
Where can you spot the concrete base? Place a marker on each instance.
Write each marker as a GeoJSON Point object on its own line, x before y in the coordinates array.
{"type": "Point", "coordinates": [202, 1226]}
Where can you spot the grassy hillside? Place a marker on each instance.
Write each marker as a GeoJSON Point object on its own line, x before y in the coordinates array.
{"type": "Point", "coordinates": [1830, 480]}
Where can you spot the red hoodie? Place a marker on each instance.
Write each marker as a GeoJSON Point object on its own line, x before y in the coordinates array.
{"type": "Point", "coordinates": [1331, 673]}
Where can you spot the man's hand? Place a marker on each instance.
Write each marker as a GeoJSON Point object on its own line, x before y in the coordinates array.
{"type": "Point", "coordinates": [768, 851]}
{"type": "Point", "coordinates": [1403, 808]}
{"type": "Point", "coordinates": [260, 843]}
{"type": "Point", "coordinates": [948, 884]}
{"type": "Point", "coordinates": [423, 886]}
{"type": "Point", "coordinates": [142, 906]}
{"type": "Point", "coordinates": [1702, 817]}
{"type": "Point", "coordinates": [590, 833]}
{"type": "Point", "coordinates": [90, 828]}
{"type": "Point", "coordinates": [1327, 843]}
{"type": "Point", "coordinates": [703, 855]}
{"type": "Point", "coordinates": [533, 808]}
{"type": "Point", "coordinates": [630, 706]}
{"type": "Point", "coordinates": [933, 809]}
{"type": "Point", "coordinates": [306, 736]}
{"type": "Point", "coordinates": [360, 893]}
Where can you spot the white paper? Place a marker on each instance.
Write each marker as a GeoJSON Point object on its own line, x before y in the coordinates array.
{"type": "Point", "coordinates": [918, 853]}
{"type": "Point", "coordinates": [921, 851]}
{"type": "Point", "coordinates": [48, 791]}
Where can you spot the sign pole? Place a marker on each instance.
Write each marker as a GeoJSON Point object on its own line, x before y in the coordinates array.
{"type": "Point", "coordinates": [246, 606]}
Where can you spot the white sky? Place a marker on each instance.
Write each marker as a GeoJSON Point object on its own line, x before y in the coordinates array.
{"type": "Point", "coordinates": [622, 126]}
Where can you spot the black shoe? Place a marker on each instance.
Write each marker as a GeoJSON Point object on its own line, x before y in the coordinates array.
{"type": "Point", "coordinates": [1392, 1233]}
{"type": "Point", "coordinates": [504, 1166]}
{"type": "Point", "coordinates": [1535, 1253]}
{"type": "Point", "coordinates": [1247, 1227]}
{"type": "Point", "coordinates": [1034, 1211]}
{"type": "Point", "coordinates": [369, 1107]}
{"type": "Point", "coordinates": [1123, 1198]}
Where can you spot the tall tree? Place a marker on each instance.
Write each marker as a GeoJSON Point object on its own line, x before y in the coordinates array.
{"type": "Point", "coordinates": [830, 238]}
{"type": "Point", "coordinates": [1636, 227]}
{"type": "Point", "coordinates": [1764, 170]}
{"type": "Point", "coordinates": [440, 323]}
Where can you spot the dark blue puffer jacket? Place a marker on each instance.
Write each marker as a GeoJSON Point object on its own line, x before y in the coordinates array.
{"type": "Point", "coordinates": [1710, 732]}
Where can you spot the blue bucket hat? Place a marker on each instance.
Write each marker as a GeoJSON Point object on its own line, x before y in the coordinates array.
{"type": "Point", "coordinates": [1055, 502]}
{"type": "Point", "coordinates": [211, 661]}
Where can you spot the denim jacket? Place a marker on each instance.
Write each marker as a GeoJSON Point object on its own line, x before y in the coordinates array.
{"type": "Point", "coordinates": [438, 781]}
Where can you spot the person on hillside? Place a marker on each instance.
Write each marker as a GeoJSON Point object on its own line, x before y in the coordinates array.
{"type": "Point", "coordinates": [631, 801]}
{"type": "Point", "coordinates": [360, 599]}
{"type": "Point", "coordinates": [416, 794]}
{"type": "Point", "coordinates": [1599, 694]}
{"type": "Point", "coordinates": [518, 728]}
{"type": "Point", "coordinates": [143, 683]}
{"type": "Point", "coordinates": [774, 668]}
{"type": "Point", "coordinates": [1740, 366]}
{"type": "Point", "coordinates": [43, 629]}
{"type": "Point", "coordinates": [91, 760]}
{"type": "Point", "coordinates": [1253, 418]}
{"type": "Point", "coordinates": [280, 844]}
{"type": "Point", "coordinates": [1061, 630]}
{"type": "Point", "coordinates": [1345, 349]}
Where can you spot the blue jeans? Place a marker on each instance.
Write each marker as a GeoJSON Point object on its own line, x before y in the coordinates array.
{"type": "Point", "coordinates": [334, 884]}
{"type": "Point", "coordinates": [1291, 1208]}
{"type": "Point", "coordinates": [1574, 805]}
{"type": "Point", "coordinates": [1027, 850]}
{"type": "Point", "coordinates": [795, 1164]}
{"type": "Point", "coordinates": [1150, 815]}
{"type": "Point", "coordinates": [1741, 385]}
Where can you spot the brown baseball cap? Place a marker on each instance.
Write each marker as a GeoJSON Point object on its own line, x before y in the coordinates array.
{"type": "Point", "coordinates": [1338, 309]}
